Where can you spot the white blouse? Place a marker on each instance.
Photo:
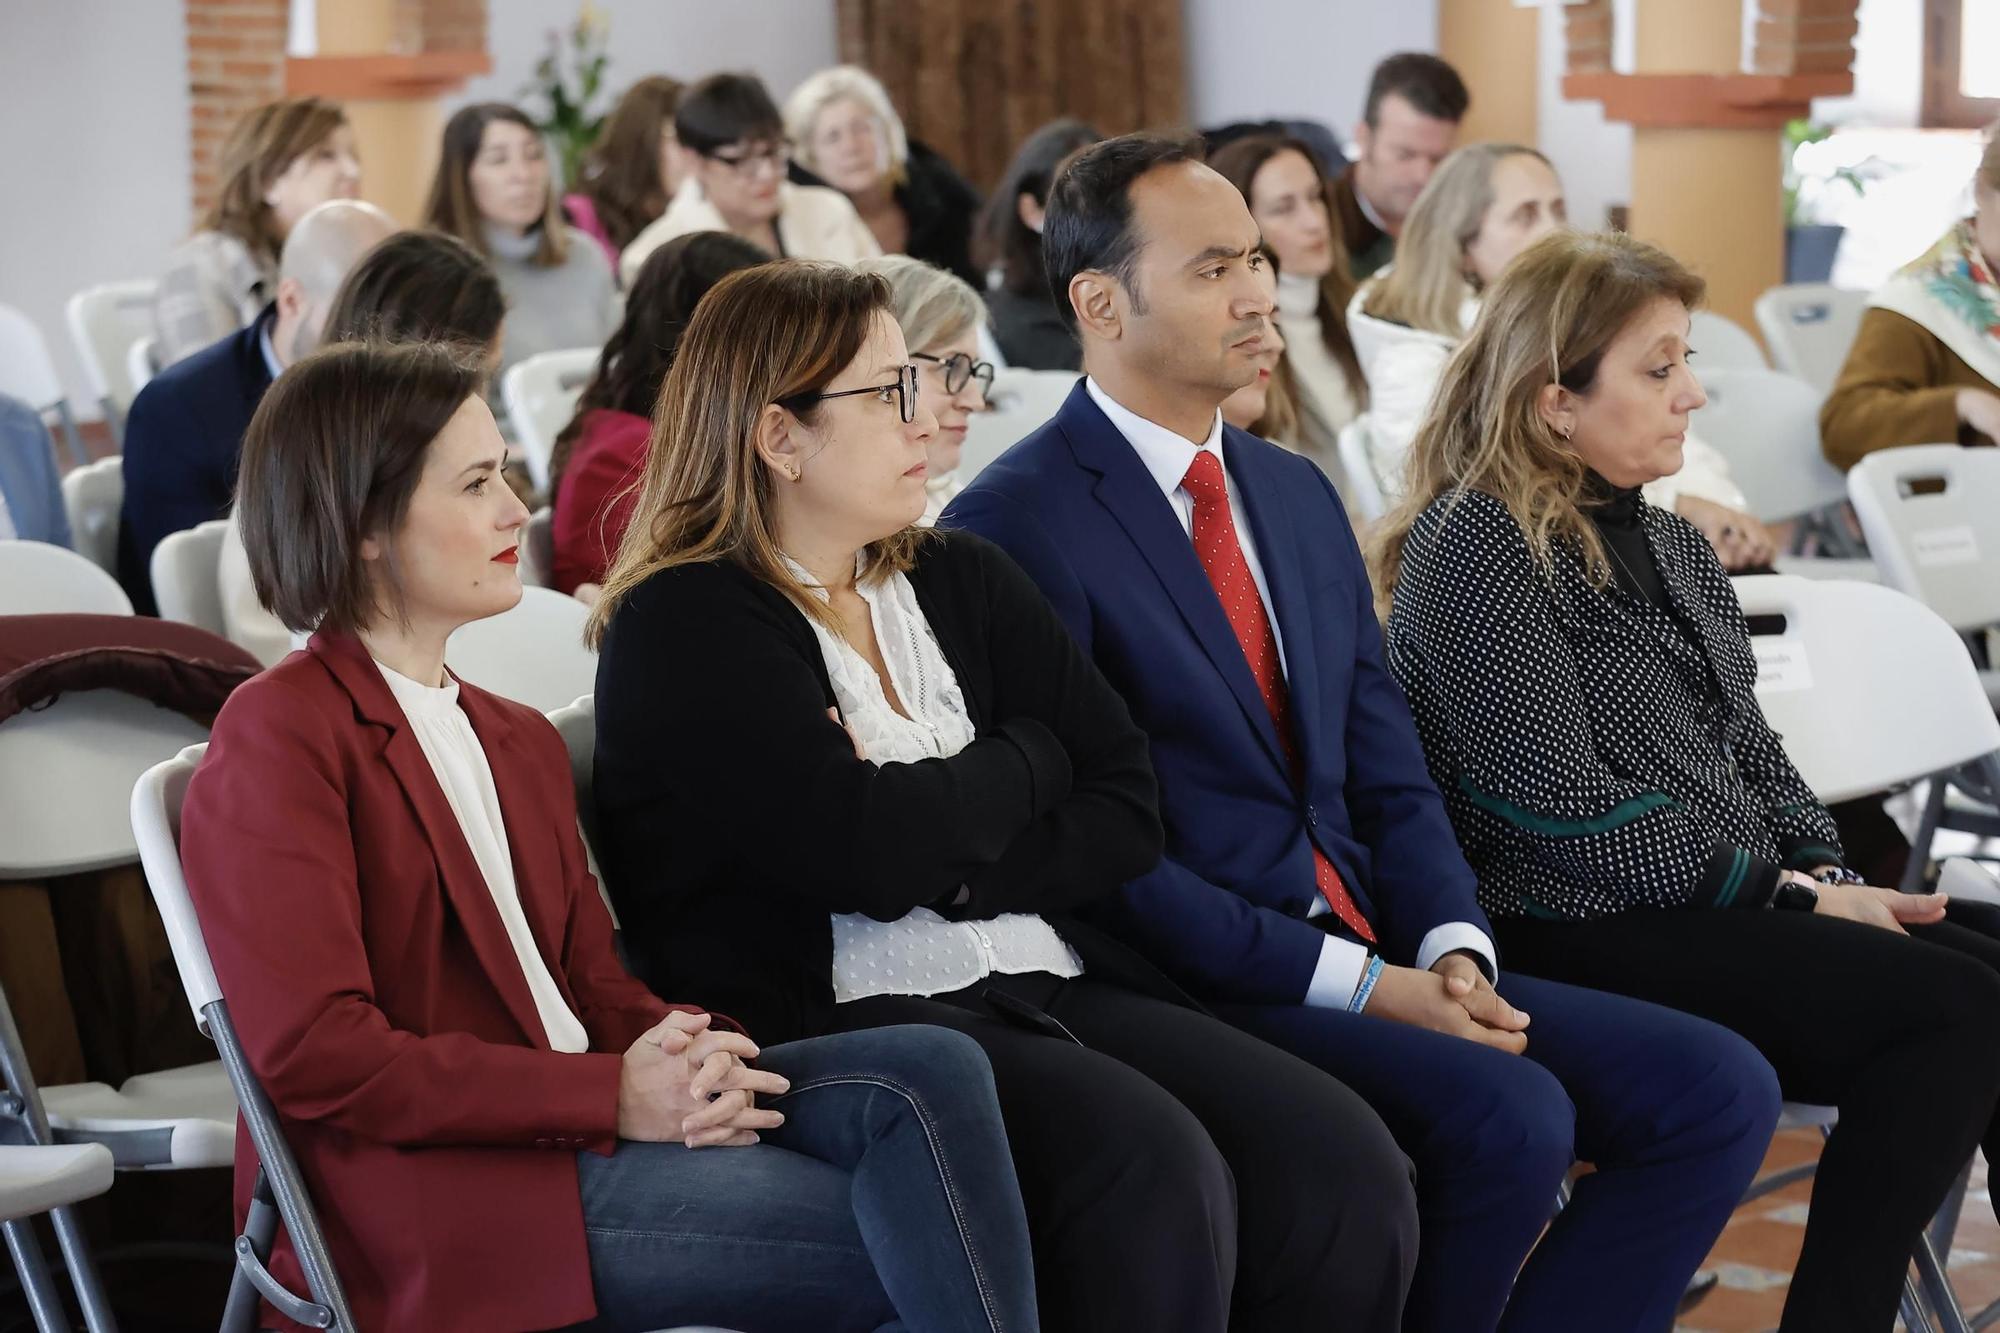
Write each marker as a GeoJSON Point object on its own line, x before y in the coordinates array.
{"type": "Point", "coordinates": [459, 761]}
{"type": "Point", "coordinates": [920, 953]}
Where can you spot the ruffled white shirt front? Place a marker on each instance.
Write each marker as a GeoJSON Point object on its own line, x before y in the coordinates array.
{"type": "Point", "coordinates": [459, 760]}
{"type": "Point", "coordinates": [919, 953]}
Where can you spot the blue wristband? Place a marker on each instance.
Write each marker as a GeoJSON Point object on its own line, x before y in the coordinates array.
{"type": "Point", "coordinates": [1367, 987]}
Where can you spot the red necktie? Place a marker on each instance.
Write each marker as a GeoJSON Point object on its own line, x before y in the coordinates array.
{"type": "Point", "coordinates": [1221, 557]}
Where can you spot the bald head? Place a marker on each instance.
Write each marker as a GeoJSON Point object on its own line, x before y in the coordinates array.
{"type": "Point", "coordinates": [320, 250]}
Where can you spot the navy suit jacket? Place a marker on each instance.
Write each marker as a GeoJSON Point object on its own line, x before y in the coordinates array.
{"type": "Point", "coordinates": [1225, 911]}
{"type": "Point", "coordinates": [182, 438]}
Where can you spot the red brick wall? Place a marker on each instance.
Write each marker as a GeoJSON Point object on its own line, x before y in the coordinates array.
{"type": "Point", "coordinates": [236, 60]}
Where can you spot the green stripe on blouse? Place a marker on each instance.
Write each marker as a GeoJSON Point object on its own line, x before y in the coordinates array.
{"type": "Point", "coordinates": [1616, 817]}
{"type": "Point", "coordinates": [1738, 867]}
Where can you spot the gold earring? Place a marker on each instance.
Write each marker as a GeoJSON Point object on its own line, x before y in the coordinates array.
{"type": "Point", "coordinates": [792, 471]}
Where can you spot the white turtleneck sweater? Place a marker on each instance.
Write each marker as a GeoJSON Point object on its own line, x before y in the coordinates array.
{"type": "Point", "coordinates": [1327, 400]}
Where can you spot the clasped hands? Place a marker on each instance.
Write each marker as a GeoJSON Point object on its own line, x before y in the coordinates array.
{"type": "Point", "coordinates": [685, 1082]}
{"type": "Point", "coordinates": [1453, 997]}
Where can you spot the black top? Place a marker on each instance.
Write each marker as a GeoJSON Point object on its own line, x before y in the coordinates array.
{"type": "Point", "coordinates": [733, 816]}
{"type": "Point", "coordinates": [1599, 751]}
{"type": "Point", "coordinates": [939, 206]}
{"type": "Point", "coordinates": [1614, 511]}
{"type": "Point", "coordinates": [1031, 333]}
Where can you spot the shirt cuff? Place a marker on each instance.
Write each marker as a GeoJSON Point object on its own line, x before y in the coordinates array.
{"type": "Point", "coordinates": [1337, 975]}
{"type": "Point", "coordinates": [1456, 936]}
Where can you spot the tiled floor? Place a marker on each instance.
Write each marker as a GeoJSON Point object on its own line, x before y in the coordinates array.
{"type": "Point", "coordinates": [1761, 1243]}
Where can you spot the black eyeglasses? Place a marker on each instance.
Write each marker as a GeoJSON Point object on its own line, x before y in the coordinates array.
{"type": "Point", "coordinates": [775, 156]}
{"type": "Point", "coordinates": [960, 369]}
{"type": "Point", "coordinates": [905, 389]}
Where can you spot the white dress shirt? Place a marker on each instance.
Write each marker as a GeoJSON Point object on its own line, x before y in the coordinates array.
{"type": "Point", "coordinates": [919, 953]}
{"type": "Point", "coordinates": [1167, 457]}
{"type": "Point", "coordinates": [459, 761]}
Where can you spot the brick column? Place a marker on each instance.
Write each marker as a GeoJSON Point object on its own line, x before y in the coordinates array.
{"type": "Point", "coordinates": [235, 61]}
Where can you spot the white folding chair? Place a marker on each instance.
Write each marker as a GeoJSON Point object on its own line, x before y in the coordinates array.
{"type": "Point", "coordinates": [540, 395]}
{"type": "Point", "coordinates": [576, 723]}
{"type": "Point", "coordinates": [1931, 513]}
{"type": "Point", "coordinates": [104, 321]}
{"type": "Point", "coordinates": [1766, 424]}
{"type": "Point", "coordinates": [1723, 344]}
{"type": "Point", "coordinates": [538, 548]}
{"type": "Point", "coordinates": [1871, 690]}
{"type": "Point", "coordinates": [142, 362]}
{"type": "Point", "coordinates": [533, 654]}
{"type": "Point", "coordinates": [280, 1189]}
{"type": "Point", "coordinates": [185, 573]}
{"type": "Point", "coordinates": [28, 372]}
{"type": "Point", "coordinates": [1021, 401]}
{"type": "Point", "coordinates": [37, 579]}
{"type": "Point", "coordinates": [1357, 461]}
{"type": "Point", "coordinates": [93, 498]}
{"type": "Point", "coordinates": [47, 1178]}
{"type": "Point", "coordinates": [1809, 327]}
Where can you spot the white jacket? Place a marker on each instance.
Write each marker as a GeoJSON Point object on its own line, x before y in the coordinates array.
{"type": "Point", "coordinates": [1404, 366]}
{"type": "Point", "coordinates": [813, 222]}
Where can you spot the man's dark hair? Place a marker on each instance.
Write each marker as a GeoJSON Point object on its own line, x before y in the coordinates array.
{"type": "Point", "coordinates": [1424, 81]}
{"type": "Point", "coordinates": [419, 286]}
{"type": "Point", "coordinates": [1088, 225]}
{"type": "Point", "coordinates": [724, 109]}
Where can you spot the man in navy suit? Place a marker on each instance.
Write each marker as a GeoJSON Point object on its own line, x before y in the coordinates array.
{"type": "Point", "coordinates": [1312, 892]}
{"type": "Point", "coordinates": [186, 425]}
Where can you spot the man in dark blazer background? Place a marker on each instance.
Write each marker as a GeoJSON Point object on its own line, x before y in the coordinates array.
{"type": "Point", "coordinates": [1312, 892]}
{"type": "Point", "coordinates": [186, 425]}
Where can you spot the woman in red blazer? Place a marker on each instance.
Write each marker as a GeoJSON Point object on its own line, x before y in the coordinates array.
{"type": "Point", "coordinates": [495, 1120]}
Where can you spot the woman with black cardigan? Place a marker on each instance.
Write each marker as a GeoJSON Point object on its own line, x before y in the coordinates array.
{"type": "Point", "coordinates": [1582, 679]}
{"type": "Point", "coordinates": [851, 772]}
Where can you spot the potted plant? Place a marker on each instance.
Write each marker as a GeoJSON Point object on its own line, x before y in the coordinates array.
{"type": "Point", "coordinates": [568, 88]}
{"type": "Point", "coordinates": [1810, 243]}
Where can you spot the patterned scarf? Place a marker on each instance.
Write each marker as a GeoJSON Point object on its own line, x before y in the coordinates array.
{"type": "Point", "coordinates": [1950, 290]}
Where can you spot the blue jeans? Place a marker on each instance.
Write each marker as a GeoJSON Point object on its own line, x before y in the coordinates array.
{"type": "Point", "coordinates": [886, 1201]}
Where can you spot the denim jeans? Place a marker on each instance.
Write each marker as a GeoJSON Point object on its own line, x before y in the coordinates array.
{"type": "Point", "coordinates": [886, 1201]}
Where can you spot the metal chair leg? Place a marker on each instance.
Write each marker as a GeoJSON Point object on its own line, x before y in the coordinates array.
{"type": "Point", "coordinates": [45, 1303]}
{"type": "Point", "coordinates": [1927, 826]}
{"type": "Point", "coordinates": [1937, 1286]}
{"type": "Point", "coordinates": [83, 1276]}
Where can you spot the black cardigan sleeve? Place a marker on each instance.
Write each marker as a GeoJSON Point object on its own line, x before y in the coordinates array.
{"type": "Point", "coordinates": [716, 678]}
{"type": "Point", "coordinates": [1107, 830]}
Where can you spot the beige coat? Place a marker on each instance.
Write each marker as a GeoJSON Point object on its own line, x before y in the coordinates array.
{"type": "Point", "coordinates": [813, 223]}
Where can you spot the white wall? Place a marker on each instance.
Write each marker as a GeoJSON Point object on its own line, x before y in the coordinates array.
{"type": "Point", "coordinates": [93, 156]}
{"type": "Point", "coordinates": [782, 41]}
{"type": "Point", "coordinates": [1304, 59]}
{"type": "Point", "coordinates": [1888, 69]}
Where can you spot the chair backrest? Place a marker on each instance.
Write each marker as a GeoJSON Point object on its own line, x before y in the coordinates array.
{"type": "Point", "coordinates": [576, 723]}
{"type": "Point", "coordinates": [156, 825]}
{"type": "Point", "coordinates": [538, 548]}
{"type": "Point", "coordinates": [1021, 401]}
{"type": "Point", "coordinates": [1767, 425]}
{"type": "Point", "coordinates": [186, 576]}
{"type": "Point", "coordinates": [93, 496]}
{"type": "Point", "coordinates": [27, 371]}
{"type": "Point", "coordinates": [104, 321]}
{"type": "Point", "coordinates": [39, 579]}
{"type": "Point", "coordinates": [1357, 461]}
{"type": "Point", "coordinates": [1721, 343]}
{"type": "Point", "coordinates": [533, 654]}
{"type": "Point", "coordinates": [1809, 327]}
{"type": "Point", "coordinates": [142, 362]}
{"type": "Point", "coordinates": [540, 395]}
{"type": "Point", "coordinates": [1868, 687]}
{"type": "Point", "coordinates": [1931, 513]}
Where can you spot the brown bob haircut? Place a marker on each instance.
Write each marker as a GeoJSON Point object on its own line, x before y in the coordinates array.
{"type": "Point", "coordinates": [419, 286]}
{"type": "Point", "coordinates": [450, 208]}
{"type": "Point", "coordinates": [762, 334]}
{"type": "Point", "coordinates": [332, 457]}
{"type": "Point", "coordinates": [260, 146]}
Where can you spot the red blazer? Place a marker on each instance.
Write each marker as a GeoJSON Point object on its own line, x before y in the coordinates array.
{"type": "Point", "coordinates": [382, 1006]}
{"type": "Point", "coordinates": [593, 505]}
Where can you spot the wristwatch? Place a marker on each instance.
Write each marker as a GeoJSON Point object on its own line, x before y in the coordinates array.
{"type": "Point", "coordinates": [1792, 896]}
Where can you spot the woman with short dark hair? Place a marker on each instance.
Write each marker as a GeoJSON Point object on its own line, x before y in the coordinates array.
{"type": "Point", "coordinates": [495, 1118]}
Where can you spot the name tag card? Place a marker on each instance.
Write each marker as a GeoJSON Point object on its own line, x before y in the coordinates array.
{"type": "Point", "coordinates": [1781, 664]}
{"type": "Point", "coordinates": [1946, 546]}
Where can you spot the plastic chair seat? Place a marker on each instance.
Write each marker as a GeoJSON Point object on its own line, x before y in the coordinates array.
{"type": "Point", "coordinates": [187, 1115]}
{"type": "Point", "coordinates": [1805, 1115]}
{"type": "Point", "coordinates": [35, 1178]}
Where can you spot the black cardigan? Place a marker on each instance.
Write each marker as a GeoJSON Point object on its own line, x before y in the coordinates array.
{"type": "Point", "coordinates": [733, 816]}
{"type": "Point", "coordinates": [1597, 752]}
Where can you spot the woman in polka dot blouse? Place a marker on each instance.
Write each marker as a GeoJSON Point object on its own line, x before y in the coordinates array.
{"type": "Point", "coordinates": [1581, 676]}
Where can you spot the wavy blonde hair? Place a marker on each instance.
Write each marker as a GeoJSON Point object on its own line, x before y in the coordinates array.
{"type": "Point", "coordinates": [761, 335]}
{"type": "Point", "coordinates": [1548, 320]}
{"type": "Point", "coordinates": [1427, 287]}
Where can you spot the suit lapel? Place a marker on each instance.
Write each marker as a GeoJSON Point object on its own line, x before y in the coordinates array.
{"type": "Point", "coordinates": [1128, 491]}
{"type": "Point", "coordinates": [464, 883]}
{"type": "Point", "coordinates": [1271, 528]}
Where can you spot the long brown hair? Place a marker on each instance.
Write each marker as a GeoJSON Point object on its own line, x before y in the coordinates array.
{"type": "Point", "coordinates": [1428, 286]}
{"type": "Point", "coordinates": [1239, 162]}
{"type": "Point", "coordinates": [1548, 320]}
{"type": "Point", "coordinates": [450, 208]}
{"type": "Point", "coordinates": [762, 334]}
{"type": "Point", "coordinates": [621, 176]}
{"type": "Point", "coordinates": [260, 146]}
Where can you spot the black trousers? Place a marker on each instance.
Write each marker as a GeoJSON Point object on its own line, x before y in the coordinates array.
{"type": "Point", "coordinates": [1180, 1174]}
{"type": "Point", "coordinates": [1901, 1034]}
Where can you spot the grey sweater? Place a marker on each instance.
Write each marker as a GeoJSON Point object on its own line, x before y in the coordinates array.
{"type": "Point", "coordinates": [573, 304]}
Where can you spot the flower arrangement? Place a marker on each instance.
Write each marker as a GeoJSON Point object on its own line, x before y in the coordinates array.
{"type": "Point", "coordinates": [568, 84]}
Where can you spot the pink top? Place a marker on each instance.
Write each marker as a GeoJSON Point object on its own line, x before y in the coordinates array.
{"type": "Point", "coordinates": [583, 216]}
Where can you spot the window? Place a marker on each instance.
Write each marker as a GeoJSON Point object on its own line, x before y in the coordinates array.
{"type": "Point", "coordinates": [1961, 63]}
